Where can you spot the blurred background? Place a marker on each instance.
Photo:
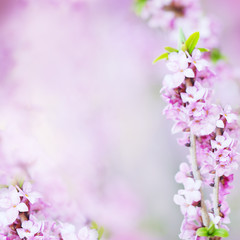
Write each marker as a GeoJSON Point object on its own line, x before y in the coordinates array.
{"type": "Point", "coordinates": [81, 113]}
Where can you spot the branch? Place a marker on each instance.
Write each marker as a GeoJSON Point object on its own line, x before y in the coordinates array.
{"type": "Point", "coordinates": [216, 196]}
{"type": "Point", "coordinates": [197, 176]}
{"type": "Point", "coordinates": [216, 208]}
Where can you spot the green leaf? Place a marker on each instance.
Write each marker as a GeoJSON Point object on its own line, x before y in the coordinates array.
{"type": "Point", "coordinates": [192, 42]}
{"type": "Point", "coordinates": [221, 232]}
{"type": "Point", "coordinates": [216, 55]}
{"type": "Point", "coordinates": [203, 49]}
{"type": "Point", "coordinates": [170, 49]}
{"type": "Point", "coordinates": [184, 47]}
{"type": "Point", "coordinates": [94, 225]}
{"type": "Point", "coordinates": [182, 38]}
{"type": "Point", "coordinates": [163, 56]}
{"type": "Point", "coordinates": [139, 5]}
{"type": "Point", "coordinates": [202, 232]}
{"type": "Point", "coordinates": [100, 232]}
{"type": "Point", "coordinates": [211, 228]}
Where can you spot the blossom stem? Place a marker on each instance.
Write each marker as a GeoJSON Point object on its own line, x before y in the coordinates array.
{"type": "Point", "coordinates": [216, 186]}
{"type": "Point", "coordinates": [216, 196]}
{"type": "Point", "coordinates": [197, 176]}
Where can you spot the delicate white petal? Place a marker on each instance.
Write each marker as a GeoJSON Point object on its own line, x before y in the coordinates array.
{"type": "Point", "coordinates": [177, 79]}
{"type": "Point", "coordinates": [189, 73]}
{"type": "Point", "coordinates": [22, 207]}
{"type": "Point", "coordinates": [172, 66]}
{"type": "Point", "coordinates": [83, 233]}
{"type": "Point", "coordinates": [191, 90]}
{"type": "Point", "coordinates": [14, 196]}
{"type": "Point", "coordinates": [188, 183]}
{"type": "Point", "coordinates": [12, 214]}
{"type": "Point", "coordinates": [191, 211]}
{"type": "Point", "coordinates": [184, 167]}
{"type": "Point", "coordinates": [5, 203]}
{"type": "Point", "coordinates": [195, 196]}
{"type": "Point", "coordinates": [179, 200]}
{"type": "Point", "coordinates": [184, 97]}
{"type": "Point", "coordinates": [217, 219]}
{"type": "Point", "coordinates": [27, 187]}
{"type": "Point", "coordinates": [220, 124]}
{"type": "Point", "coordinates": [21, 232]}
{"type": "Point", "coordinates": [198, 184]}
{"type": "Point", "coordinates": [93, 235]}
{"type": "Point", "coordinates": [27, 224]}
{"type": "Point", "coordinates": [196, 54]}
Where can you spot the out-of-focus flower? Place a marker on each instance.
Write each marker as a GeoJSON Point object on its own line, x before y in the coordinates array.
{"type": "Point", "coordinates": [28, 193]}
{"type": "Point", "coordinates": [10, 201]}
{"type": "Point", "coordinates": [28, 229]}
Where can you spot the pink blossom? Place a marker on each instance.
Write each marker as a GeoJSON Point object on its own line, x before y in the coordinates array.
{"type": "Point", "coordinates": [215, 219]}
{"type": "Point", "coordinates": [197, 60]}
{"type": "Point", "coordinates": [184, 172]}
{"type": "Point", "coordinates": [28, 193]}
{"type": "Point", "coordinates": [206, 123]}
{"type": "Point", "coordinates": [227, 163]}
{"type": "Point", "coordinates": [68, 232]}
{"type": "Point", "coordinates": [225, 184]}
{"type": "Point", "coordinates": [178, 64]}
{"type": "Point", "coordinates": [191, 191]}
{"type": "Point", "coordinates": [10, 201]}
{"type": "Point", "coordinates": [225, 211]}
{"type": "Point", "coordinates": [228, 114]}
{"type": "Point", "coordinates": [188, 229]}
{"type": "Point", "coordinates": [86, 233]}
{"type": "Point", "coordinates": [221, 142]}
{"type": "Point", "coordinates": [29, 229]}
{"type": "Point", "coordinates": [196, 109]}
{"type": "Point", "coordinates": [222, 155]}
{"type": "Point", "coordinates": [193, 94]}
{"type": "Point", "coordinates": [186, 207]}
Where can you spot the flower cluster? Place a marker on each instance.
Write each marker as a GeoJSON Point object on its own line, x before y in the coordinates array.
{"type": "Point", "coordinates": [165, 14]}
{"type": "Point", "coordinates": [24, 215]}
{"type": "Point", "coordinates": [210, 131]}
{"type": "Point", "coordinates": [170, 15]}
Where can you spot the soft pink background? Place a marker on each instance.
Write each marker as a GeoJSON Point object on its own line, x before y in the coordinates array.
{"type": "Point", "coordinates": [81, 110]}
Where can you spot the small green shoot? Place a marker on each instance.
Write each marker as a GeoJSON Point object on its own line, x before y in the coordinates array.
{"type": "Point", "coordinates": [212, 231]}
{"type": "Point", "coordinates": [192, 41]}
{"type": "Point", "coordinates": [139, 5]}
{"type": "Point", "coordinates": [163, 56]}
{"type": "Point", "coordinates": [100, 230]}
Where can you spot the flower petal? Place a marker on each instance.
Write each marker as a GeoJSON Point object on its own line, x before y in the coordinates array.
{"type": "Point", "coordinates": [189, 73]}
{"type": "Point", "coordinates": [22, 207]}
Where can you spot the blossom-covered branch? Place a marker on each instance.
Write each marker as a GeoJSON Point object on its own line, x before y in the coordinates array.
{"type": "Point", "coordinates": [210, 131]}
{"type": "Point", "coordinates": [25, 215]}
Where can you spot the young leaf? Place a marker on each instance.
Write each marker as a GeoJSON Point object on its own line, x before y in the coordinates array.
{"type": "Point", "coordinates": [20, 182]}
{"type": "Point", "coordinates": [100, 232]}
{"type": "Point", "coordinates": [170, 49]}
{"type": "Point", "coordinates": [221, 232]}
{"type": "Point", "coordinates": [182, 38]}
{"type": "Point", "coordinates": [216, 55]}
{"type": "Point", "coordinates": [139, 5]}
{"type": "Point", "coordinates": [202, 232]}
{"type": "Point", "coordinates": [163, 56]}
{"type": "Point", "coordinates": [211, 228]}
{"type": "Point", "coordinates": [203, 49]}
{"type": "Point", "coordinates": [184, 47]}
{"type": "Point", "coordinates": [192, 42]}
{"type": "Point", "coordinates": [94, 225]}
